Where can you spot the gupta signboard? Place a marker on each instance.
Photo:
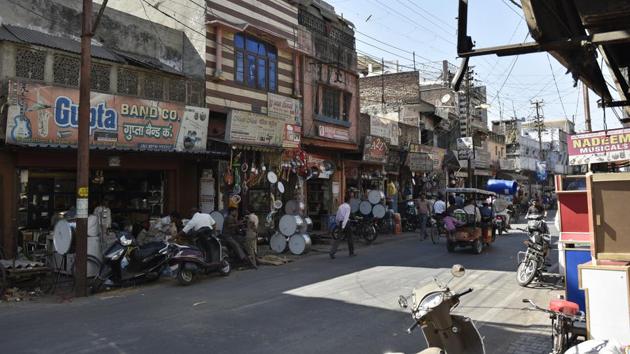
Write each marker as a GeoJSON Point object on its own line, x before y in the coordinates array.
{"type": "Point", "coordinates": [601, 146]}
{"type": "Point", "coordinates": [44, 115]}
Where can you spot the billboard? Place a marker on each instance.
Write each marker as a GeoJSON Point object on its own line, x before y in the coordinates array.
{"type": "Point", "coordinates": [46, 115]}
{"type": "Point", "coordinates": [600, 146]}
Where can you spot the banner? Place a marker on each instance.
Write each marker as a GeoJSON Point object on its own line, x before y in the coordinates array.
{"type": "Point", "coordinates": [326, 131]}
{"type": "Point", "coordinates": [253, 128]}
{"type": "Point", "coordinates": [375, 149]}
{"type": "Point", "coordinates": [286, 108]}
{"type": "Point", "coordinates": [601, 146]}
{"type": "Point", "coordinates": [45, 115]}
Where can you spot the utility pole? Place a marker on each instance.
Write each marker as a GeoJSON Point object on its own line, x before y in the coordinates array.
{"type": "Point", "coordinates": [540, 125]}
{"type": "Point", "coordinates": [469, 75]}
{"type": "Point", "coordinates": [383, 82]}
{"type": "Point", "coordinates": [587, 108]}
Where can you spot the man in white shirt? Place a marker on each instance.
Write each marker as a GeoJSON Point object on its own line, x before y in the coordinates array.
{"type": "Point", "coordinates": [200, 224]}
{"type": "Point", "coordinates": [472, 211]}
{"type": "Point", "coordinates": [341, 219]}
{"type": "Point", "coordinates": [439, 207]}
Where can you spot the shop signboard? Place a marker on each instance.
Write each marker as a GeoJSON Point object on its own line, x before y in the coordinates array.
{"type": "Point", "coordinates": [46, 115]}
{"type": "Point", "coordinates": [254, 129]}
{"type": "Point", "coordinates": [600, 146]}
{"type": "Point", "coordinates": [292, 136]}
{"type": "Point", "coordinates": [419, 161]}
{"type": "Point", "coordinates": [410, 115]}
{"type": "Point", "coordinates": [436, 154]}
{"type": "Point", "coordinates": [375, 149]}
{"type": "Point", "coordinates": [385, 128]}
{"type": "Point", "coordinates": [326, 131]}
{"type": "Point", "coordinates": [285, 108]}
{"type": "Point", "coordinates": [464, 148]}
{"type": "Point", "coordinates": [393, 161]}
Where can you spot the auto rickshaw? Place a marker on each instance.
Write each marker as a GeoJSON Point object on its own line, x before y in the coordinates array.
{"type": "Point", "coordinates": [469, 232]}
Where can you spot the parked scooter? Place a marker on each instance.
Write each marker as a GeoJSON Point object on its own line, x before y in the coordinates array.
{"type": "Point", "coordinates": [125, 261]}
{"type": "Point", "coordinates": [410, 219]}
{"type": "Point", "coordinates": [532, 262]}
{"type": "Point", "coordinates": [443, 331]}
{"type": "Point", "coordinates": [193, 259]}
{"type": "Point", "coordinates": [568, 327]}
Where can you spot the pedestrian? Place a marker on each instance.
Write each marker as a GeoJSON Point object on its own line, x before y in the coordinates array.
{"type": "Point", "coordinates": [341, 219]}
{"type": "Point", "coordinates": [439, 207]}
{"type": "Point", "coordinates": [231, 233]}
{"type": "Point", "coordinates": [392, 195]}
{"type": "Point", "coordinates": [251, 237]}
{"type": "Point", "coordinates": [423, 214]}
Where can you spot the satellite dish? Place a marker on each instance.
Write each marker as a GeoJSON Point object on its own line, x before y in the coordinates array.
{"type": "Point", "coordinates": [445, 99]}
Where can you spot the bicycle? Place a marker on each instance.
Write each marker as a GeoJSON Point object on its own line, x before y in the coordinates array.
{"type": "Point", "coordinates": [564, 316]}
{"type": "Point", "coordinates": [432, 230]}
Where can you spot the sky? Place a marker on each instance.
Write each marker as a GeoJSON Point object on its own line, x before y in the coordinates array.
{"type": "Point", "coordinates": [394, 29]}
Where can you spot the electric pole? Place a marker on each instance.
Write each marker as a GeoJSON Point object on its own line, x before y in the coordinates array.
{"type": "Point", "coordinates": [539, 123]}
{"type": "Point", "coordinates": [587, 108]}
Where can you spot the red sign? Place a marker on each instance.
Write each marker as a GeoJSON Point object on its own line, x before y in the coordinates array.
{"type": "Point", "coordinates": [375, 149]}
{"type": "Point", "coordinates": [329, 132]}
{"type": "Point", "coordinates": [601, 146]}
{"type": "Point", "coordinates": [292, 136]}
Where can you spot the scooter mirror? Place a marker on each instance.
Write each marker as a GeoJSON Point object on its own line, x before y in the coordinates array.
{"type": "Point", "coordinates": [402, 302]}
{"type": "Point", "coordinates": [458, 270]}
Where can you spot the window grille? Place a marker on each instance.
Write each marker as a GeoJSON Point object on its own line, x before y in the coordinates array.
{"type": "Point", "coordinates": [100, 77]}
{"type": "Point", "coordinates": [127, 82]}
{"type": "Point", "coordinates": [30, 63]}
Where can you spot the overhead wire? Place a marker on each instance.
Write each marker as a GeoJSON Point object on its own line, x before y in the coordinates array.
{"type": "Point", "coordinates": [556, 84]}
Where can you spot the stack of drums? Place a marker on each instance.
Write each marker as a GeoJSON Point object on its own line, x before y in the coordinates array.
{"type": "Point", "coordinates": [293, 235]}
{"type": "Point", "coordinates": [373, 205]}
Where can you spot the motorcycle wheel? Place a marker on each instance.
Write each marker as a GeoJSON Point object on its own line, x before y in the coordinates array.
{"type": "Point", "coordinates": [97, 283]}
{"type": "Point", "coordinates": [450, 246]}
{"type": "Point", "coordinates": [226, 268]}
{"type": "Point", "coordinates": [478, 246]}
{"type": "Point", "coordinates": [185, 276]}
{"type": "Point", "coordinates": [526, 272]}
{"type": "Point", "coordinates": [369, 234]}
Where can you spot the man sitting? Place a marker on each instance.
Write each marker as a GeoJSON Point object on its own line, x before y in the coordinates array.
{"type": "Point", "coordinates": [472, 211]}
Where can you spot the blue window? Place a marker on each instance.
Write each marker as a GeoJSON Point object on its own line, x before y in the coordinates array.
{"type": "Point", "coordinates": [256, 63]}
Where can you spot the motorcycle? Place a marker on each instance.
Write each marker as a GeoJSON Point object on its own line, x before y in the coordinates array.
{"type": "Point", "coordinates": [190, 260]}
{"type": "Point", "coordinates": [126, 261]}
{"type": "Point", "coordinates": [568, 327]}
{"type": "Point", "coordinates": [500, 224]}
{"type": "Point", "coordinates": [359, 226]}
{"type": "Point", "coordinates": [531, 263]}
{"type": "Point", "coordinates": [443, 331]}
{"type": "Point", "coordinates": [410, 219]}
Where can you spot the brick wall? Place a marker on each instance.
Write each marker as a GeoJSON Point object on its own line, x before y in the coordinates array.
{"type": "Point", "coordinates": [399, 88]}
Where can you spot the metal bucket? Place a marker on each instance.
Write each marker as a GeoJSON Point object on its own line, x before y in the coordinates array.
{"type": "Point", "coordinates": [307, 226]}
{"type": "Point", "coordinates": [375, 196]}
{"type": "Point", "coordinates": [378, 211]}
{"type": "Point", "coordinates": [278, 243]}
{"type": "Point", "coordinates": [290, 224]}
{"type": "Point", "coordinates": [299, 244]}
{"type": "Point", "coordinates": [365, 207]}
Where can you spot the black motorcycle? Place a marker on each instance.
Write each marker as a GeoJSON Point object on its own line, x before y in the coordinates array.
{"type": "Point", "coordinates": [532, 262]}
{"type": "Point", "coordinates": [410, 219]}
{"type": "Point", "coordinates": [125, 261]}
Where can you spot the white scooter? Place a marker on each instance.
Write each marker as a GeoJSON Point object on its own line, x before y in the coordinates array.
{"type": "Point", "coordinates": [443, 331]}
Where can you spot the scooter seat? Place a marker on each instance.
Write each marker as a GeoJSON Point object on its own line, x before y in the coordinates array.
{"type": "Point", "coordinates": [149, 249]}
{"type": "Point", "coordinates": [564, 306]}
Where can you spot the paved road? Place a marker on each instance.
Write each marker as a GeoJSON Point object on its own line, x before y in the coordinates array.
{"type": "Point", "coordinates": [314, 305]}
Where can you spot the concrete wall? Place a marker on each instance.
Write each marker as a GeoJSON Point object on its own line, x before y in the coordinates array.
{"type": "Point", "coordinates": [117, 30]}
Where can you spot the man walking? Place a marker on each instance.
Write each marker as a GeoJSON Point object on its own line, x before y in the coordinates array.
{"type": "Point", "coordinates": [423, 214]}
{"type": "Point", "coordinates": [251, 237]}
{"type": "Point", "coordinates": [341, 219]}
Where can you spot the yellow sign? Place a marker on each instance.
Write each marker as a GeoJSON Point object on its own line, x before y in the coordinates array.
{"type": "Point", "coordinates": [83, 192]}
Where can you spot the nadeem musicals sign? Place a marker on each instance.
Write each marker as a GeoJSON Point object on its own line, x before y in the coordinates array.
{"type": "Point", "coordinates": [601, 146]}
{"type": "Point", "coordinates": [45, 115]}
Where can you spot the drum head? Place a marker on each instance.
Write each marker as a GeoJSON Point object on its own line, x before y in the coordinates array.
{"type": "Point", "coordinates": [365, 207]}
{"type": "Point", "coordinates": [378, 211]}
{"type": "Point", "coordinates": [278, 243]}
{"type": "Point", "coordinates": [272, 177]}
{"type": "Point", "coordinates": [281, 187]}
{"type": "Point", "coordinates": [217, 216]}
{"type": "Point", "coordinates": [354, 205]}
{"type": "Point", "coordinates": [299, 244]}
{"type": "Point", "coordinates": [290, 224]}
{"type": "Point", "coordinates": [292, 207]}
{"type": "Point", "coordinates": [375, 196]}
{"type": "Point", "coordinates": [62, 237]}
{"type": "Point", "coordinates": [307, 226]}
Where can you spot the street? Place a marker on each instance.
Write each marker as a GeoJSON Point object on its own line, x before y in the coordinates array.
{"type": "Point", "coordinates": [313, 305]}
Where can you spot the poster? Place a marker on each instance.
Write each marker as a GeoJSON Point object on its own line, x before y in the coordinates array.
{"type": "Point", "coordinates": [46, 115]}
{"type": "Point", "coordinates": [292, 136]}
{"type": "Point", "coordinates": [285, 108]}
{"type": "Point", "coordinates": [375, 149]}
{"type": "Point", "coordinates": [601, 146]}
{"type": "Point", "coordinates": [253, 128]}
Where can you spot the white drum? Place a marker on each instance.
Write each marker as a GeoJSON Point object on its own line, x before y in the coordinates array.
{"type": "Point", "coordinates": [218, 218]}
{"type": "Point", "coordinates": [365, 207]}
{"type": "Point", "coordinates": [290, 224]}
{"type": "Point", "coordinates": [354, 205]}
{"type": "Point", "coordinates": [63, 235]}
{"type": "Point", "coordinates": [378, 211]}
{"type": "Point", "coordinates": [307, 226]}
{"type": "Point", "coordinates": [375, 196]}
{"type": "Point", "coordinates": [278, 243]}
{"type": "Point", "coordinates": [299, 244]}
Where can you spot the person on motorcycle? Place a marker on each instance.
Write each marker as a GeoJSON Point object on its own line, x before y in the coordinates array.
{"type": "Point", "coordinates": [200, 225]}
{"type": "Point", "coordinates": [231, 228]}
{"type": "Point", "coordinates": [535, 208]}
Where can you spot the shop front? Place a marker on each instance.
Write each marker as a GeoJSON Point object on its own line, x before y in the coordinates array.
{"type": "Point", "coordinates": [145, 159]}
{"type": "Point", "coordinates": [426, 166]}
